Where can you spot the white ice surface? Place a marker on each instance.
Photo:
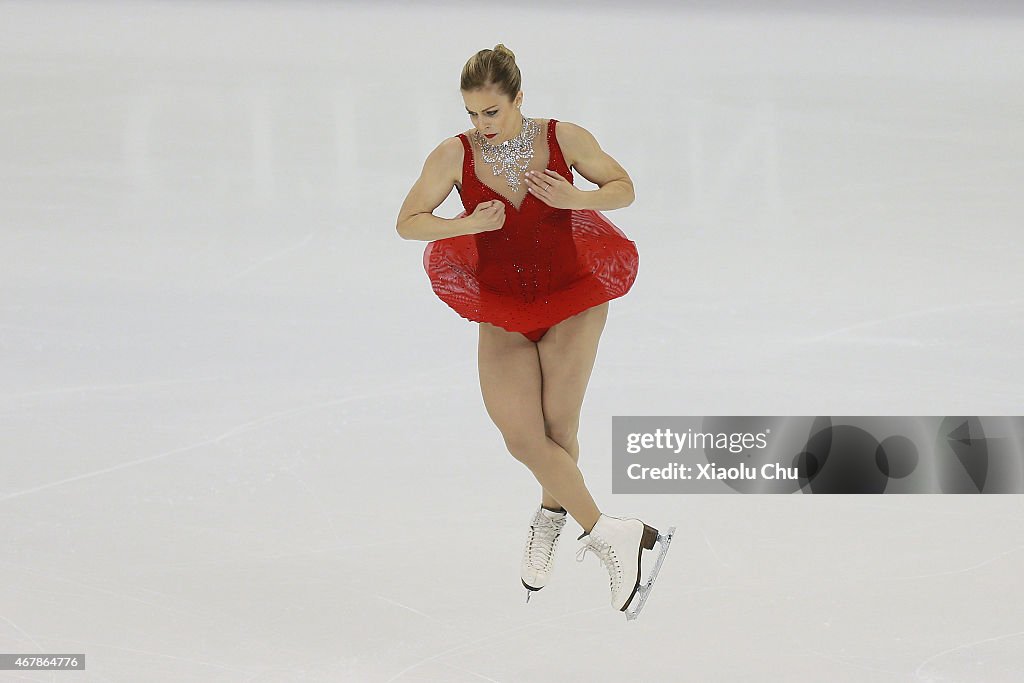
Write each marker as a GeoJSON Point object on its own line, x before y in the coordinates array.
{"type": "Point", "coordinates": [242, 440]}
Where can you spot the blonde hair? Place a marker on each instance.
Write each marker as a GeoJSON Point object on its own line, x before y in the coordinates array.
{"type": "Point", "coordinates": [492, 67]}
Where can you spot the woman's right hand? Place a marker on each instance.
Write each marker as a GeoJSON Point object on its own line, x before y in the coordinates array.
{"type": "Point", "coordinates": [487, 216]}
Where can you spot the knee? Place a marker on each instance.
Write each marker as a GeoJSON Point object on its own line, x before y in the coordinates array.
{"type": "Point", "coordinates": [525, 447]}
{"type": "Point", "coordinates": [563, 432]}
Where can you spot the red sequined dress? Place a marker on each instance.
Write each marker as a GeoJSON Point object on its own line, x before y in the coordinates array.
{"type": "Point", "coordinates": [544, 265]}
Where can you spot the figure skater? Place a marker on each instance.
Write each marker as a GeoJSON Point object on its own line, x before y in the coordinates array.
{"type": "Point", "coordinates": [533, 261]}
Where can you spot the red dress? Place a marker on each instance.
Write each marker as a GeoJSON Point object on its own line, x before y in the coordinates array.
{"type": "Point", "coordinates": [544, 265]}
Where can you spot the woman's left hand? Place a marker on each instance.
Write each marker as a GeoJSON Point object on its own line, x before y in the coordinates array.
{"type": "Point", "coordinates": [553, 189]}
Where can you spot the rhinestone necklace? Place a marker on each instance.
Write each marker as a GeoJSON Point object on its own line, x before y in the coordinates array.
{"type": "Point", "coordinates": [512, 156]}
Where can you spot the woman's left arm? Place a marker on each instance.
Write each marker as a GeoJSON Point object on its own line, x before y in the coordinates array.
{"type": "Point", "coordinates": [615, 188]}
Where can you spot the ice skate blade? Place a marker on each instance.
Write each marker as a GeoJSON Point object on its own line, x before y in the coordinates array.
{"type": "Point", "coordinates": [637, 604]}
{"type": "Point", "coordinates": [530, 590]}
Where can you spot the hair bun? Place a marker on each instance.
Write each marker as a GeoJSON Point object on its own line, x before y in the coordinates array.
{"type": "Point", "coordinates": [500, 47]}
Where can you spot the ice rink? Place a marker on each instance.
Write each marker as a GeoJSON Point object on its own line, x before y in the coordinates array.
{"type": "Point", "coordinates": [243, 441]}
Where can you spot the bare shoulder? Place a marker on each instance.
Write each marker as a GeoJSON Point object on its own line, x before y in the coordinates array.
{"type": "Point", "coordinates": [573, 139]}
{"type": "Point", "coordinates": [451, 148]}
{"type": "Point", "coordinates": [441, 171]}
{"type": "Point", "coordinates": [449, 151]}
{"type": "Point", "coordinates": [583, 153]}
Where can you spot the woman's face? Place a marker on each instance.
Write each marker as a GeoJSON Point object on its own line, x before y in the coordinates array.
{"type": "Point", "coordinates": [493, 114]}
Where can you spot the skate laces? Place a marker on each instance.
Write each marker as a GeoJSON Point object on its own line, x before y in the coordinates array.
{"type": "Point", "coordinates": [606, 554]}
{"type": "Point", "coordinates": [544, 535]}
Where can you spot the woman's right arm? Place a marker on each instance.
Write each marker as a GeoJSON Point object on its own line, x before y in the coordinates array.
{"type": "Point", "coordinates": [416, 220]}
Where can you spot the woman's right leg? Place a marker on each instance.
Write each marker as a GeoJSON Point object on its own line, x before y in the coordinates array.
{"type": "Point", "coordinates": [510, 381]}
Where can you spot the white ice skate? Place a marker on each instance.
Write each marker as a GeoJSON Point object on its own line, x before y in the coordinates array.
{"type": "Point", "coordinates": [539, 553]}
{"type": "Point", "coordinates": [619, 543]}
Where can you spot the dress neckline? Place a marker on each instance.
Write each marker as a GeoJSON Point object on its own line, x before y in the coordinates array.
{"type": "Point", "coordinates": [551, 141]}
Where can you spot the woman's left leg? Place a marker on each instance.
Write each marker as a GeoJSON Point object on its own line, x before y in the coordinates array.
{"type": "Point", "coordinates": [567, 355]}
